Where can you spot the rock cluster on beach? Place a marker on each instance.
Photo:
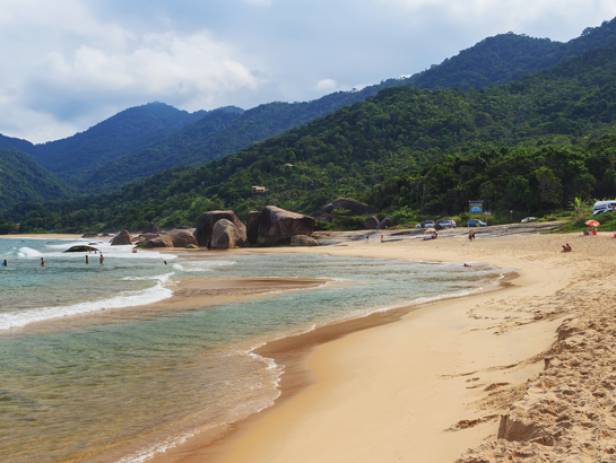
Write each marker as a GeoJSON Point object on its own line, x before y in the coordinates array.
{"type": "Point", "coordinates": [222, 229]}
{"type": "Point", "coordinates": [233, 226]}
{"type": "Point", "coordinates": [273, 226]}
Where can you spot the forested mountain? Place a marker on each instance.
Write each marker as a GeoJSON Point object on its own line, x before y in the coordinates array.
{"type": "Point", "coordinates": [15, 144]}
{"type": "Point", "coordinates": [507, 57]}
{"type": "Point", "coordinates": [74, 157]}
{"type": "Point", "coordinates": [495, 60]}
{"type": "Point", "coordinates": [212, 138]}
{"type": "Point", "coordinates": [404, 150]}
{"type": "Point", "coordinates": [23, 180]}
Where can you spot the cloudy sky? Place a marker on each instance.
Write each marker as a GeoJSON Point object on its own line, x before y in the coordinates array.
{"type": "Point", "coordinates": [67, 64]}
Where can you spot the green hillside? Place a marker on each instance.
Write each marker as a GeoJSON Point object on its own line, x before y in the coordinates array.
{"type": "Point", "coordinates": [73, 158]}
{"type": "Point", "coordinates": [401, 135]}
{"type": "Point", "coordinates": [22, 180]}
{"type": "Point", "coordinates": [496, 60]}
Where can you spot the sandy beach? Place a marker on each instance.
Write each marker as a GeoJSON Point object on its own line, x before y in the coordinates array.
{"type": "Point", "coordinates": [529, 363]}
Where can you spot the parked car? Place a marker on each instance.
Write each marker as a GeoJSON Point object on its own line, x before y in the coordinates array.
{"type": "Point", "coordinates": [445, 223]}
{"type": "Point", "coordinates": [476, 223]}
{"type": "Point", "coordinates": [426, 224]}
{"type": "Point", "coordinates": [528, 219]}
{"type": "Point", "coordinates": [603, 206]}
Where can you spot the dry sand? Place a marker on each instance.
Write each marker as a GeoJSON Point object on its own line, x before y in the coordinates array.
{"type": "Point", "coordinates": [532, 364]}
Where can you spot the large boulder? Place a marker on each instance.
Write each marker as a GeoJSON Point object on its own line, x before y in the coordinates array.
{"type": "Point", "coordinates": [226, 235]}
{"type": "Point", "coordinates": [303, 240]}
{"type": "Point", "coordinates": [182, 238]}
{"type": "Point", "coordinates": [162, 241]}
{"type": "Point", "coordinates": [277, 226]}
{"type": "Point", "coordinates": [205, 226]}
{"type": "Point", "coordinates": [353, 206]}
{"type": "Point", "coordinates": [81, 248]}
{"type": "Point", "coordinates": [122, 238]}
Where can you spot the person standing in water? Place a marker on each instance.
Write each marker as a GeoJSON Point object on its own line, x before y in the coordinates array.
{"type": "Point", "coordinates": [5, 263]}
{"type": "Point", "coordinates": [101, 259]}
{"type": "Point", "coordinates": [87, 259]}
{"type": "Point", "coordinates": [42, 262]}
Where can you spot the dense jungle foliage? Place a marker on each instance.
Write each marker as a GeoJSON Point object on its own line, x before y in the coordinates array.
{"type": "Point", "coordinates": [530, 146]}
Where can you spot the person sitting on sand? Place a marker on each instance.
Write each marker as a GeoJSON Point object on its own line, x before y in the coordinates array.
{"type": "Point", "coordinates": [567, 247]}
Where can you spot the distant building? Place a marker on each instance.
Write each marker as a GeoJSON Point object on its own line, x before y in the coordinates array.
{"type": "Point", "coordinates": [259, 190]}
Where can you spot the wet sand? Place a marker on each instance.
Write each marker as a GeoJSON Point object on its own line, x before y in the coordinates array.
{"type": "Point", "coordinates": [437, 381]}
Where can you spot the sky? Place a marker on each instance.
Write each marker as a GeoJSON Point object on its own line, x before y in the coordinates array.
{"type": "Point", "coordinates": [68, 64]}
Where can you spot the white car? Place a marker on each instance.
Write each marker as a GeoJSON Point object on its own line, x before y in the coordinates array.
{"type": "Point", "coordinates": [603, 206]}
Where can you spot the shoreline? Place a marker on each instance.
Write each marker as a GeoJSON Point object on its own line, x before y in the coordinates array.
{"type": "Point", "coordinates": [258, 437]}
{"type": "Point", "coordinates": [43, 236]}
{"type": "Point", "coordinates": [289, 353]}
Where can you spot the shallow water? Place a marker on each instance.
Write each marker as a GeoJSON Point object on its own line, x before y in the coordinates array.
{"type": "Point", "coordinates": [122, 388]}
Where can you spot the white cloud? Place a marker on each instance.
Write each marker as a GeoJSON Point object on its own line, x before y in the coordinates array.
{"type": "Point", "coordinates": [326, 85]}
{"type": "Point", "coordinates": [88, 69]}
{"type": "Point", "coordinates": [513, 15]}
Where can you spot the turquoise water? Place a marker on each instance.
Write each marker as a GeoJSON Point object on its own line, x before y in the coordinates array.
{"type": "Point", "coordinates": [122, 387]}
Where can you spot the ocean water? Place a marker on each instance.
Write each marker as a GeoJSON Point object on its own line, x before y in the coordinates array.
{"type": "Point", "coordinates": [125, 386]}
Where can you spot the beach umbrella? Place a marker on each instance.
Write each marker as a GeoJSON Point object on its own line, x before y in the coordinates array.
{"type": "Point", "coordinates": [592, 223]}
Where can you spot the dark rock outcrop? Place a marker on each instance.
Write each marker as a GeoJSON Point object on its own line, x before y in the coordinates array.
{"type": "Point", "coordinates": [122, 238]}
{"type": "Point", "coordinates": [303, 240]}
{"type": "Point", "coordinates": [353, 206]}
{"type": "Point", "coordinates": [205, 226]}
{"type": "Point", "coordinates": [82, 248]}
{"type": "Point", "coordinates": [275, 226]}
{"type": "Point", "coordinates": [253, 227]}
{"type": "Point", "coordinates": [226, 235]}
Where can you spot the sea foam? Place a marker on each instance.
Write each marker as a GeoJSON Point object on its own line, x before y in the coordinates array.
{"type": "Point", "coordinates": [156, 293]}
